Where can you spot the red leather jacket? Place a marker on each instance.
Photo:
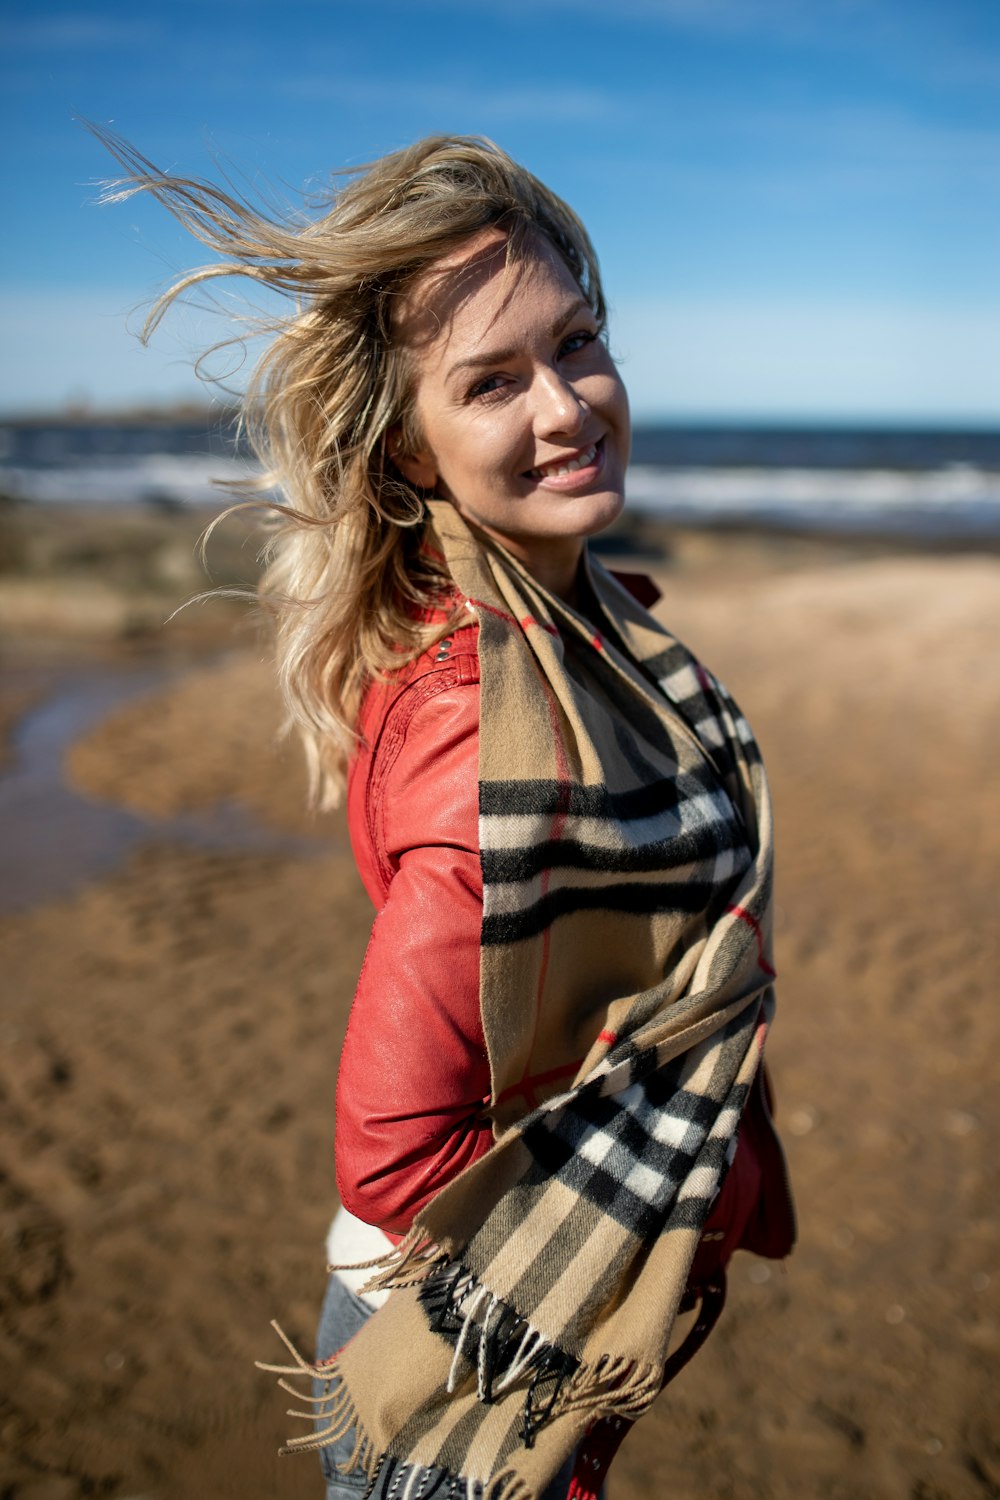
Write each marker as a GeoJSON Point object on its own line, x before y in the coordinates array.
{"type": "Point", "coordinates": [414, 1080]}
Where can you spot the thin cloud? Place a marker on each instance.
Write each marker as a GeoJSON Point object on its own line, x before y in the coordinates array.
{"type": "Point", "coordinates": [963, 45]}
{"type": "Point", "coordinates": [543, 102]}
{"type": "Point", "coordinates": [822, 149]}
{"type": "Point", "coordinates": [72, 32]}
{"type": "Point", "coordinates": [787, 18]}
{"type": "Point", "coordinates": [884, 146]}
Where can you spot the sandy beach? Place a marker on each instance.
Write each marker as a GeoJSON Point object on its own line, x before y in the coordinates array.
{"type": "Point", "coordinates": [173, 1013]}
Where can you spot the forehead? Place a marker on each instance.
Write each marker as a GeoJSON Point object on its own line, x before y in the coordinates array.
{"type": "Point", "coordinates": [479, 291]}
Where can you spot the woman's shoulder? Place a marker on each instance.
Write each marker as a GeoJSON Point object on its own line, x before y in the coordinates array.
{"type": "Point", "coordinates": [416, 764]}
{"type": "Point", "coordinates": [451, 661]}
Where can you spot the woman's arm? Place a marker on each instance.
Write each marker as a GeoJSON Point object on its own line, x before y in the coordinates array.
{"type": "Point", "coordinates": [414, 1074]}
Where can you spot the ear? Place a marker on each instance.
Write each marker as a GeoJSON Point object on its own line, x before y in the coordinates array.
{"type": "Point", "coordinates": [419, 468]}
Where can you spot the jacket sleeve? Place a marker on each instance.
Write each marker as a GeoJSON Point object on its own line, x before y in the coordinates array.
{"type": "Point", "coordinates": [414, 1074]}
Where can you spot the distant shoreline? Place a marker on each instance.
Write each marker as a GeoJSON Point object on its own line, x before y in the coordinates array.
{"type": "Point", "coordinates": [213, 414]}
{"type": "Point", "coordinates": [940, 486]}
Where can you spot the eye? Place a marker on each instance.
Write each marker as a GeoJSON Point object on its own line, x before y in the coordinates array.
{"type": "Point", "coordinates": [577, 341]}
{"type": "Point", "coordinates": [490, 385]}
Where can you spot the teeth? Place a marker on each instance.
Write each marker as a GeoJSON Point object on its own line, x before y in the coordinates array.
{"type": "Point", "coordinates": [580, 462]}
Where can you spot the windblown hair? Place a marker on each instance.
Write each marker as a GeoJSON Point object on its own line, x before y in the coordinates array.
{"type": "Point", "coordinates": [350, 587]}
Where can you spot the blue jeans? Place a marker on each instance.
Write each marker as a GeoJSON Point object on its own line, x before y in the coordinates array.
{"type": "Point", "coordinates": [342, 1315]}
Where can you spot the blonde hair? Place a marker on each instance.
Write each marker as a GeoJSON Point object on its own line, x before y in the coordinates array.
{"type": "Point", "coordinates": [349, 585]}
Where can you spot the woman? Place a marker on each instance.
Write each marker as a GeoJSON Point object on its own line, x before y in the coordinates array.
{"type": "Point", "coordinates": [551, 1128]}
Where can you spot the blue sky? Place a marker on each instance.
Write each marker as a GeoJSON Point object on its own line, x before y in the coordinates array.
{"type": "Point", "coordinates": [796, 202]}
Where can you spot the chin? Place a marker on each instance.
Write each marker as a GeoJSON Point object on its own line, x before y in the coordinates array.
{"type": "Point", "coordinates": [604, 515]}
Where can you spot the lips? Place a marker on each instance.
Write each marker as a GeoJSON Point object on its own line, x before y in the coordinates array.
{"type": "Point", "coordinates": [583, 458]}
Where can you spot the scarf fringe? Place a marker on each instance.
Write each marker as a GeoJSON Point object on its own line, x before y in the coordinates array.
{"type": "Point", "coordinates": [503, 1350]}
{"type": "Point", "coordinates": [510, 1486]}
{"type": "Point", "coordinates": [411, 1261]}
{"type": "Point", "coordinates": [335, 1406]}
{"type": "Point", "coordinates": [493, 1343]}
{"type": "Point", "coordinates": [611, 1387]}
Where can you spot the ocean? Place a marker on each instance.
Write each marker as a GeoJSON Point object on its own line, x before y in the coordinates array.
{"type": "Point", "coordinates": [908, 483]}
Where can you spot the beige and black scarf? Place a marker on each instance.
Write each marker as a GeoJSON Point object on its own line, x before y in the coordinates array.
{"type": "Point", "coordinates": [626, 850]}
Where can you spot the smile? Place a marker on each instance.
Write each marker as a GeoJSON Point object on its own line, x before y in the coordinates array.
{"type": "Point", "coordinates": [559, 466]}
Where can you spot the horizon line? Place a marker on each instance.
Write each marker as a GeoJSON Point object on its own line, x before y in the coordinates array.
{"type": "Point", "coordinates": [81, 412]}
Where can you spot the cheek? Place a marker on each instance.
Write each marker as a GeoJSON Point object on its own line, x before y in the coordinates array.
{"type": "Point", "coordinates": [480, 449]}
{"type": "Point", "coordinates": [610, 402]}
{"type": "Point", "coordinates": [609, 391]}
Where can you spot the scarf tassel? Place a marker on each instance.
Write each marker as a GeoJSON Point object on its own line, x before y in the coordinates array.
{"type": "Point", "coordinates": [413, 1260]}
{"type": "Point", "coordinates": [335, 1407]}
{"type": "Point", "coordinates": [611, 1388]}
{"type": "Point", "coordinates": [508, 1348]}
{"type": "Point", "coordinates": [502, 1348]}
{"type": "Point", "coordinates": [496, 1343]}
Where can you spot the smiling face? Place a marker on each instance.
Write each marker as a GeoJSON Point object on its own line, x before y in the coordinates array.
{"type": "Point", "coordinates": [523, 416]}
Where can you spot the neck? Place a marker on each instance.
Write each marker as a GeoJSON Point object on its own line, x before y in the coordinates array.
{"type": "Point", "coordinates": [554, 563]}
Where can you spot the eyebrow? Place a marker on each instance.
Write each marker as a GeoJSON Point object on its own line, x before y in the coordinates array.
{"type": "Point", "coordinates": [500, 356]}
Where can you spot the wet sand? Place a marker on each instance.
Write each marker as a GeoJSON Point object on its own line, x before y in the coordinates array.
{"type": "Point", "coordinates": [171, 1025]}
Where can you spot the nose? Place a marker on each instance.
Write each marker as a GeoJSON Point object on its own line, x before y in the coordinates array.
{"type": "Point", "coordinates": [559, 408]}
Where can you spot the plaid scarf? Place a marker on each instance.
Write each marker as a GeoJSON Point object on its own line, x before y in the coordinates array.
{"type": "Point", "coordinates": [626, 854]}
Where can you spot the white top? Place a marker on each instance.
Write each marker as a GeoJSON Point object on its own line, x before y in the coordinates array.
{"type": "Point", "coordinates": [349, 1242]}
